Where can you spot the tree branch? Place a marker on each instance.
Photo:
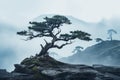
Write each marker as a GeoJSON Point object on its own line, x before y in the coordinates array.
{"type": "Point", "coordinates": [59, 39]}
{"type": "Point", "coordinates": [59, 47]}
{"type": "Point", "coordinates": [45, 41]}
{"type": "Point", "coordinates": [59, 31]}
{"type": "Point", "coordinates": [41, 46]}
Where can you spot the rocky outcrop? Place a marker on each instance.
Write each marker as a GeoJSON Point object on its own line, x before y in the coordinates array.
{"type": "Point", "coordinates": [4, 75]}
{"type": "Point", "coordinates": [47, 68]}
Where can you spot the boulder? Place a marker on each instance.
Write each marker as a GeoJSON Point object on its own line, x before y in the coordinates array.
{"type": "Point", "coordinates": [21, 69]}
{"type": "Point", "coordinates": [4, 75]}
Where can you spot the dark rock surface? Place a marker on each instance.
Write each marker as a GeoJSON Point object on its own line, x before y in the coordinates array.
{"type": "Point", "coordinates": [4, 75]}
{"type": "Point", "coordinates": [46, 68]}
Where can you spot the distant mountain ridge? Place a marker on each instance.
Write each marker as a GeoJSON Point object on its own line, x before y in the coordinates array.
{"type": "Point", "coordinates": [106, 52]}
{"type": "Point", "coordinates": [73, 19]}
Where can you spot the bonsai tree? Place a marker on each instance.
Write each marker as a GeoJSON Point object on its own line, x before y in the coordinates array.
{"type": "Point", "coordinates": [99, 40]}
{"type": "Point", "coordinates": [77, 49]}
{"type": "Point", "coordinates": [111, 32]}
{"type": "Point", "coordinates": [50, 27]}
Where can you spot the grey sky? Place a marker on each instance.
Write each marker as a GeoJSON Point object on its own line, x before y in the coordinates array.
{"type": "Point", "coordinates": [21, 11]}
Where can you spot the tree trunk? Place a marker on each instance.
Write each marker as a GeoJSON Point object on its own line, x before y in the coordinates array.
{"type": "Point", "coordinates": [111, 37]}
{"type": "Point", "coordinates": [45, 49]}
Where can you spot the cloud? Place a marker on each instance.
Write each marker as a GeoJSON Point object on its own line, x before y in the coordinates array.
{"type": "Point", "coordinates": [20, 12]}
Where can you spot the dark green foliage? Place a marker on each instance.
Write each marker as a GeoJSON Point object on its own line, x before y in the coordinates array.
{"type": "Point", "coordinates": [47, 29]}
{"type": "Point", "coordinates": [76, 34]}
{"type": "Point", "coordinates": [22, 32]}
{"type": "Point", "coordinates": [81, 35]}
{"type": "Point", "coordinates": [111, 32]}
{"type": "Point", "coordinates": [99, 40]}
{"type": "Point", "coordinates": [38, 61]}
{"type": "Point", "coordinates": [77, 49]}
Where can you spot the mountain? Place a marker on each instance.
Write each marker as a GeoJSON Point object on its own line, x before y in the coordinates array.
{"type": "Point", "coordinates": [106, 52]}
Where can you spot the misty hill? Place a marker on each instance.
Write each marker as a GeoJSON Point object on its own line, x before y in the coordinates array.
{"type": "Point", "coordinates": [106, 52]}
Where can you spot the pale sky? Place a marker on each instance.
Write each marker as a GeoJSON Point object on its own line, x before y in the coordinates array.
{"type": "Point", "coordinates": [19, 12]}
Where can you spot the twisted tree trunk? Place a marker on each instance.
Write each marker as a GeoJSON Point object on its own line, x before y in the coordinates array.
{"type": "Point", "coordinates": [45, 49]}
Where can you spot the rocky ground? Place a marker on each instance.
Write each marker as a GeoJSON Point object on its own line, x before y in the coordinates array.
{"type": "Point", "coordinates": [47, 68]}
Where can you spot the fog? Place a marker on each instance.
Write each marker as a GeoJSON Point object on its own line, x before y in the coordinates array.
{"type": "Point", "coordinates": [94, 17]}
{"type": "Point", "coordinates": [14, 49]}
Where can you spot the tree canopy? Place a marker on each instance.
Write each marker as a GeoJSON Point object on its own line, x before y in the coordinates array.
{"type": "Point", "coordinates": [111, 32]}
{"type": "Point", "coordinates": [99, 40]}
{"type": "Point", "coordinates": [48, 27]}
{"type": "Point", "coordinates": [77, 49]}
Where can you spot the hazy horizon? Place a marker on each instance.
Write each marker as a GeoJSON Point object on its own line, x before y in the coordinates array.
{"type": "Point", "coordinates": [15, 15]}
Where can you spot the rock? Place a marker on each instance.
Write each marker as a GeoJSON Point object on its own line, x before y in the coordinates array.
{"type": "Point", "coordinates": [76, 76]}
{"type": "Point", "coordinates": [21, 76]}
{"type": "Point", "coordinates": [98, 65]}
{"type": "Point", "coordinates": [50, 69]}
{"type": "Point", "coordinates": [21, 69]}
{"type": "Point", "coordinates": [4, 75]}
{"type": "Point", "coordinates": [19, 66]}
{"type": "Point", "coordinates": [51, 72]}
{"type": "Point", "coordinates": [108, 69]}
{"type": "Point", "coordinates": [111, 76]}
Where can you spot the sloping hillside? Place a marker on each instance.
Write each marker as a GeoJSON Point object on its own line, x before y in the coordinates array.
{"type": "Point", "coordinates": [106, 52]}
